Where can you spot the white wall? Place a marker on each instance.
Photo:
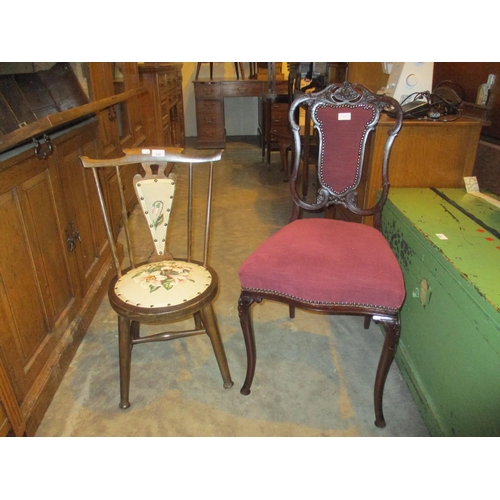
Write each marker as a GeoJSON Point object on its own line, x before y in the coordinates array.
{"type": "Point", "coordinates": [241, 113]}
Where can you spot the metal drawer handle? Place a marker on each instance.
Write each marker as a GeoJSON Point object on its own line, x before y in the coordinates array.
{"type": "Point", "coordinates": [73, 238]}
{"type": "Point", "coordinates": [43, 149]}
{"type": "Point", "coordinates": [112, 114]}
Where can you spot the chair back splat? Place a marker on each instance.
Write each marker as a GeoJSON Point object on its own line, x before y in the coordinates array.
{"type": "Point", "coordinates": [160, 288]}
{"type": "Point", "coordinates": [331, 265]}
{"type": "Point", "coordinates": [344, 116]}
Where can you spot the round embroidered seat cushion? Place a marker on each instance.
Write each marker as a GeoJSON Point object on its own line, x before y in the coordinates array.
{"type": "Point", "coordinates": [326, 261]}
{"type": "Point", "coordinates": [163, 284]}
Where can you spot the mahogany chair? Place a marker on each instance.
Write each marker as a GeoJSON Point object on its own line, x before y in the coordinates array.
{"type": "Point", "coordinates": [162, 289]}
{"type": "Point", "coordinates": [324, 264]}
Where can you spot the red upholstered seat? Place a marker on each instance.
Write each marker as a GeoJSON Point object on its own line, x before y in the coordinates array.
{"type": "Point", "coordinates": [341, 270]}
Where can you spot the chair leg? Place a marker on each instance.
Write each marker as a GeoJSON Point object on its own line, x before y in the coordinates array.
{"type": "Point", "coordinates": [392, 330]}
{"type": "Point", "coordinates": [238, 67]}
{"type": "Point", "coordinates": [244, 304]}
{"type": "Point", "coordinates": [284, 145]}
{"type": "Point", "coordinates": [368, 320]}
{"type": "Point", "coordinates": [197, 321]}
{"type": "Point", "coordinates": [210, 322]}
{"type": "Point", "coordinates": [126, 330]}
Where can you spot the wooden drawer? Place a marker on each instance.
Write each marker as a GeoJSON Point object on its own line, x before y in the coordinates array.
{"type": "Point", "coordinates": [211, 136]}
{"type": "Point", "coordinates": [215, 120]}
{"type": "Point", "coordinates": [209, 106]}
{"type": "Point", "coordinates": [206, 90]}
{"type": "Point", "coordinates": [234, 89]}
{"type": "Point", "coordinates": [279, 117]}
{"type": "Point", "coordinates": [280, 108]}
{"type": "Point", "coordinates": [279, 129]}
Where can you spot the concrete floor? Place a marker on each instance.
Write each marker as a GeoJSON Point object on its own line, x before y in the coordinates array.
{"type": "Point", "coordinates": [314, 373]}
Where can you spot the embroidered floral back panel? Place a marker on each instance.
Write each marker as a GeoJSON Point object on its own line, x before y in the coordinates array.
{"type": "Point", "coordinates": [156, 195]}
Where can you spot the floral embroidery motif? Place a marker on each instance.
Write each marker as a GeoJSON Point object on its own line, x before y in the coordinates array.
{"type": "Point", "coordinates": [157, 213]}
{"type": "Point", "coordinates": [163, 274]}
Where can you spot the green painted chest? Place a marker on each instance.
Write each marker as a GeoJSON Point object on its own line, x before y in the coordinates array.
{"type": "Point", "coordinates": [448, 245]}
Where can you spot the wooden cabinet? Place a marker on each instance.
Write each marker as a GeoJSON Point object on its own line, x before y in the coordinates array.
{"type": "Point", "coordinates": [209, 96]}
{"type": "Point", "coordinates": [82, 208]}
{"type": "Point", "coordinates": [54, 255]}
{"type": "Point", "coordinates": [53, 259]}
{"type": "Point", "coordinates": [163, 107]}
{"type": "Point", "coordinates": [101, 77]}
{"type": "Point", "coordinates": [209, 114]}
{"type": "Point", "coordinates": [120, 126]}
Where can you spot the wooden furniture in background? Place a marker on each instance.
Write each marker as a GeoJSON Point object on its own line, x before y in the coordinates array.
{"type": "Point", "coordinates": [470, 75]}
{"type": "Point", "coordinates": [273, 122]}
{"type": "Point", "coordinates": [54, 255]}
{"type": "Point", "coordinates": [370, 74]}
{"type": "Point", "coordinates": [426, 154]}
{"type": "Point", "coordinates": [274, 129]}
{"type": "Point", "coordinates": [209, 97]}
{"type": "Point", "coordinates": [53, 260]}
{"type": "Point", "coordinates": [122, 125]}
{"type": "Point", "coordinates": [164, 108]}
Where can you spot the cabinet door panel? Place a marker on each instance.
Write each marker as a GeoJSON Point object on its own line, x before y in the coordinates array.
{"type": "Point", "coordinates": [41, 220]}
{"type": "Point", "coordinates": [36, 291]}
{"type": "Point", "coordinates": [82, 205]}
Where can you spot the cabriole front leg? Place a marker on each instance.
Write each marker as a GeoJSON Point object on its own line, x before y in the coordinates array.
{"type": "Point", "coordinates": [244, 304]}
{"type": "Point", "coordinates": [392, 330]}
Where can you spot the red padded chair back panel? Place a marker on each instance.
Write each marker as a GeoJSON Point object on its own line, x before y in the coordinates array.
{"type": "Point", "coordinates": [343, 132]}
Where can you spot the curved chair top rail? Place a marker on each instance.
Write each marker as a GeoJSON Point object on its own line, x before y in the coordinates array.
{"type": "Point", "coordinates": [156, 155]}
{"type": "Point", "coordinates": [349, 93]}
